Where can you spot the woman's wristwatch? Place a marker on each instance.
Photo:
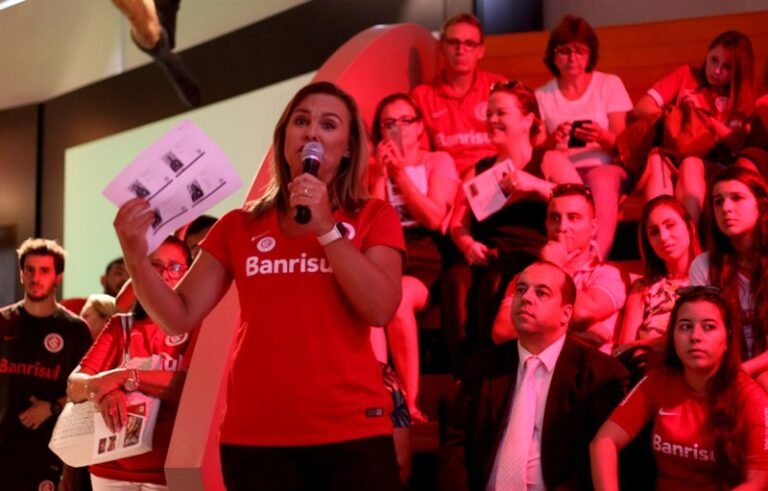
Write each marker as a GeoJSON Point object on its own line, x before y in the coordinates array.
{"type": "Point", "coordinates": [132, 382]}
{"type": "Point", "coordinates": [338, 231]}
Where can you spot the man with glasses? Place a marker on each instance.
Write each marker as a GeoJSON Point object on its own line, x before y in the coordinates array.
{"type": "Point", "coordinates": [40, 344]}
{"type": "Point", "coordinates": [455, 102]}
{"type": "Point", "coordinates": [601, 291]}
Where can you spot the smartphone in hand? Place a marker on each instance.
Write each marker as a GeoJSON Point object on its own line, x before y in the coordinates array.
{"type": "Point", "coordinates": [394, 134]}
{"type": "Point", "coordinates": [573, 141]}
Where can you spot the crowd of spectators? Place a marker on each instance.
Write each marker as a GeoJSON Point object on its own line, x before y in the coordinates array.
{"type": "Point", "coordinates": [544, 333]}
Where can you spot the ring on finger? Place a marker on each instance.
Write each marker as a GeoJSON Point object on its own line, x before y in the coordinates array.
{"type": "Point", "coordinates": [306, 191]}
{"type": "Point", "coordinates": [112, 411]}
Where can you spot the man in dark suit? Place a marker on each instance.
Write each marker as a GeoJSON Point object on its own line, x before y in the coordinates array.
{"type": "Point", "coordinates": [527, 409]}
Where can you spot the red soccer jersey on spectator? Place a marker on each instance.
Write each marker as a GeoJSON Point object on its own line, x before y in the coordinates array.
{"type": "Point", "coordinates": [457, 124]}
{"type": "Point", "coordinates": [145, 339]}
{"type": "Point", "coordinates": [304, 371]}
{"type": "Point", "coordinates": [682, 446]}
{"type": "Point", "coordinates": [682, 82]}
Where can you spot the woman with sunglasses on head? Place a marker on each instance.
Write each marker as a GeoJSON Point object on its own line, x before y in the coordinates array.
{"type": "Point", "coordinates": [723, 86]}
{"type": "Point", "coordinates": [668, 244]}
{"type": "Point", "coordinates": [709, 424]}
{"type": "Point", "coordinates": [115, 366]}
{"type": "Point", "coordinates": [306, 406]}
{"type": "Point", "coordinates": [421, 185]}
{"type": "Point", "coordinates": [507, 241]}
{"type": "Point", "coordinates": [584, 110]}
{"type": "Point", "coordinates": [737, 260]}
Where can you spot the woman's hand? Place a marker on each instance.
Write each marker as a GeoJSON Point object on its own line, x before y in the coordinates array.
{"type": "Point", "coordinates": [104, 383]}
{"type": "Point", "coordinates": [590, 132]}
{"type": "Point", "coordinates": [561, 135]}
{"type": "Point", "coordinates": [388, 153]}
{"type": "Point", "coordinates": [131, 224]}
{"type": "Point", "coordinates": [477, 254]}
{"type": "Point", "coordinates": [307, 190]}
{"type": "Point", "coordinates": [113, 409]}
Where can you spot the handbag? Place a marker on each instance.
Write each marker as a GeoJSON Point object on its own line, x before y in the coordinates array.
{"type": "Point", "coordinates": [687, 131]}
{"type": "Point", "coordinates": [636, 142]}
{"type": "Point", "coordinates": [80, 436]}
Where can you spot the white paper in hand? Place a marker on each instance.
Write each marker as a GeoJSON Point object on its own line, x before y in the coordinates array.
{"type": "Point", "coordinates": [483, 192]}
{"type": "Point", "coordinates": [182, 175]}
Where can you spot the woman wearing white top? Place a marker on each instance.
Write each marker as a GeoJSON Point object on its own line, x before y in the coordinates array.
{"type": "Point", "coordinates": [599, 102]}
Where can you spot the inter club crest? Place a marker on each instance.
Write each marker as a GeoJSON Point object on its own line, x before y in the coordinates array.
{"type": "Point", "coordinates": [53, 342]}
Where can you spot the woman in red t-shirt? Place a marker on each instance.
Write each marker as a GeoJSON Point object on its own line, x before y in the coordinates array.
{"type": "Point", "coordinates": [724, 86]}
{"type": "Point", "coordinates": [117, 364]}
{"type": "Point", "coordinates": [306, 406]}
{"type": "Point", "coordinates": [709, 418]}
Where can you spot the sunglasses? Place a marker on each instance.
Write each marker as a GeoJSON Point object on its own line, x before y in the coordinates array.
{"type": "Point", "coordinates": [506, 85]}
{"type": "Point", "coordinates": [569, 189]}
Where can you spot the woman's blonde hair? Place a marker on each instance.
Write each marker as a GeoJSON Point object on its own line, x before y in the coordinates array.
{"type": "Point", "coordinates": [348, 189]}
{"type": "Point", "coordinates": [103, 305]}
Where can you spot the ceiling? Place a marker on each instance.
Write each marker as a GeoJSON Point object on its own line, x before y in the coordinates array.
{"type": "Point", "coordinates": [51, 47]}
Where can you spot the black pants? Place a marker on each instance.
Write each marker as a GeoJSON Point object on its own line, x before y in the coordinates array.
{"type": "Point", "coordinates": [368, 464]}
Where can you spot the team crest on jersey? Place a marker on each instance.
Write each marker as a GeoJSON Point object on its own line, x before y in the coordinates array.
{"type": "Point", "coordinates": [53, 342]}
{"type": "Point", "coordinates": [350, 230]}
{"type": "Point", "coordinates": [481, 111]}
{"type": "Point", "coordinates": [266, 244]}
{"type": "Point", "coordinates": [176, 340]}
{"type": "Point", "coordinates": [46, 486]}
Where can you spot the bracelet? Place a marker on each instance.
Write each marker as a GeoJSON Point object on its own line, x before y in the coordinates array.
{"type": "Point", "coordinates": [338, 231]}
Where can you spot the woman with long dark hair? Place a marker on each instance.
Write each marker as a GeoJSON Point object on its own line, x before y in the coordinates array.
{"type": "Point", "coordinates": [737, 260]}
{"type": "Point", "coordinates": [668, 244]}
{"type": "Point", "coordinates": [306, 406]}
{"type": "Point", "coordinates": [724, 86]}
{"type": "Point", "coordinates": [709, 424]}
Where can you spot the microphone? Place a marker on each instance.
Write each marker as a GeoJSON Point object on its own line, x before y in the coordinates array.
{"type": "Point", "coordinates": [311, 156]}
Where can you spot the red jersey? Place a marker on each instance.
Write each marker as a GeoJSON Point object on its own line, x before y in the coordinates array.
{"type": "Point", "coordinates": [684, 81]}
{"type": "Point", "coordinates": [683, 448]}
{"type": "Point", "coordinates": [303, 371]}
{"type": "Point", "coordinates": [457, 125]}
{"type": "Point", "coordinates": [145, 339]}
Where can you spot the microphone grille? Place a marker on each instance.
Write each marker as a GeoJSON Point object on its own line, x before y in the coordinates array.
{"type": "Point", "coordinates": [312, 150]}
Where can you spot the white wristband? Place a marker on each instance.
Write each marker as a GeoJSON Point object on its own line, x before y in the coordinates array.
{"type": "Point", "coordinates": [332, 235]}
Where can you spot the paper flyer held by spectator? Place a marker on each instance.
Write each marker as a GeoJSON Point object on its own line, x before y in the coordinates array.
{"type": "Point", "coordinates": [182, 175]}
{"type": "Point", "coordinates": [483, 192]}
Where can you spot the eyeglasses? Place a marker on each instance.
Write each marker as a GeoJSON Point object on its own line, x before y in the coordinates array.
{"type": "Point", "coordinates": [569, 50]}
{"type": "Point", "coordinates": [455, 43]}
{"type": "Point", "coordinates": [571, 188]}
{"type": "Point", "coordinates": [174, 270]}
{"type": "Point", "coordinates": [390, 123]}
{"type": "Point", "coordinates": [506, 85]}
{"type": "Point", "coordinates": [685, 291]}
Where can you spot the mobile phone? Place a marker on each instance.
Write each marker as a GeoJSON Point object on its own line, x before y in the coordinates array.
{"type": "Point", "coordinates": [394, 134]}
{"type": "Point", "coordinates": [573, 141]}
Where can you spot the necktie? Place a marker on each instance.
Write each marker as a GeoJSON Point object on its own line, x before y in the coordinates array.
{"type": "Point", "coordinates": [512, 460]}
